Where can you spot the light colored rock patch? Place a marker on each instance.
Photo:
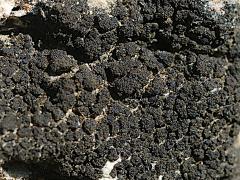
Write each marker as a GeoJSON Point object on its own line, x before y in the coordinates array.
{"type": "Point", "coordinates": [26, 6]}
{"type": "Point", "coordinates": [6, 7]}
{"type": "Point", "coordinates": [106, 5]}
{"type": "Point", "coordinates": [160, 177]}
{"type": "Point", "coordinates": [217, 6]}
{"type": "Point", "coordinates": [237, 142]}
{"type": "Point", "coordinates": [108, 168]}
{"type": "Point", "coordinates": [5, 39]}
{"type": "Point", "coordinates": [236, 152]}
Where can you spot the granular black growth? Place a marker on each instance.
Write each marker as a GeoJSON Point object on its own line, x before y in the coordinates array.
{"type": "Point", "coordinates": [154, 88]}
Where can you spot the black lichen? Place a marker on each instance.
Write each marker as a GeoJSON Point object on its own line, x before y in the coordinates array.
{"type": "Point", "coordinates": [156, 83]}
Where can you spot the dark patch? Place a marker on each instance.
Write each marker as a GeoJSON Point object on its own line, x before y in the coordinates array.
{"type": "Point", "coordinates": [158, 81]}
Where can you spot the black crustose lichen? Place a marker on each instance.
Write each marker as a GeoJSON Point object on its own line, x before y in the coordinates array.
{"type": "Point", "coordinates": [153, 87]}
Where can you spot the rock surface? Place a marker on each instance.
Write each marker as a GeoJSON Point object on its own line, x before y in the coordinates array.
{"type": "Point", "coordinates": [149, 89]}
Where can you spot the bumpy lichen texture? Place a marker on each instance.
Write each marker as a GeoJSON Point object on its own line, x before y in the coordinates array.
{"type": "Point", "coordinates": [148, 90]}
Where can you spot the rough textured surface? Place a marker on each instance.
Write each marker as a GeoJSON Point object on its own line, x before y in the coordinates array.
{"type": "Point", "coordinates": [149, 91]}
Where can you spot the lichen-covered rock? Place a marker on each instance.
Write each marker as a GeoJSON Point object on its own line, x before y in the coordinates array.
{"type": "Point", "coordinates": [149, 90]}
